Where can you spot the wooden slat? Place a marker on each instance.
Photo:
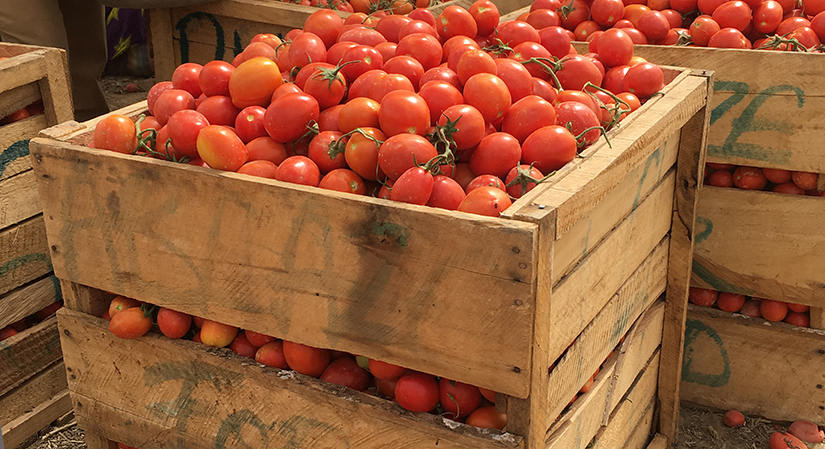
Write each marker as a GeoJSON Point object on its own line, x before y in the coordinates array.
{"type": "Point", "coordinates": [723, 353]}
{"type": "Point", "coordinates": [22, 69]}
{"type": "Point", "coordinates": [277, 250]}
{"type": "Point", "coordinates": [614, 207]}
{"type": "Point", "coordinates": [821, 182]}
{"type": "Point", "coordinates": [24, 254]}
{"type": "Point", "coordinates": [56, 89]}
{"type": "Point", "coordinates": [631, 411]}
{"type": "Point", "coordinates": [17, 431]}
{"type": "Point", "coordinates": [33, 392]}
{"type": "Point", "coordinates": [597, 278]}
{"type": "Point", "coordinates": [198, 53]}
{"type": "Point", "coordinates": [641, 433]}
{"type": "Point", "coordinates": [817, 318]}
{"type": "Point", "coordinates": [24, 129]}
{"type": "Point", "coordinates": [659, 442]}
{"type": "Point", "coordinates": [18, 98]}
{"type": "Point", "coordinates": [759, 119]}
{"type": "Point", "coordinates": [15, 157]}
{"type": "Point", "coordinates": [18, 199]}
{"type": "Point", "coordinates": [761, 244]}
{"type": "Point", "coordinates": [8, 49]}
{"type": "Point", "coordinates": [160, 22]}
{"type": "Point", "coordinates": [158, 392]}
{"type": "Point", "coordinates": [689, 175]}
{"type": "Point", "coordinates": [27, 353]}
{"type": "Point", "coordinates": [602, 335]}
{"type": "Point", "coordinates": [26, 300]}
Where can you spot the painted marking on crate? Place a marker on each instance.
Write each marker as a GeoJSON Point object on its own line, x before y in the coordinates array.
{"type": "Point", "coordinates": [656, 157]}
{"type": "Point", "coordinates": [12, 153]}
{"type": "Point", "coordinates": [220, 39]}
{"type": "Point", "coordinates": [393, 232]}
{"type": "Point", "coordinates": [18, 262]}
{"type": "Point", "coordinates": [748, 122]}
{"type": "Point", "coordinates": [693, 329]}
{"type": "Point", "coordinates": [716, 282]}
{"type": "Point", "coordinates": [293, 432]}
{"type": "Point", "coordinates": [705, 233]}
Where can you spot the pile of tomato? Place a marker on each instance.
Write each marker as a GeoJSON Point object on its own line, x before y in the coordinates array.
{"type": "Point", "coordinates": [31, 320]}
{"type": "Point", "coordinates": [412, 390]}
{"type": "Point", "coordinates": [795, 314]}
{"type": "Point", "coordinates": [378, 8]}
{"type": "Point", "coordinates": [460, 112]}
{"type": "Point", "coordinates": [786, 25]}
{"type": "Point", "coordinates": [766, 179]}
{"type": "Point", "coordinates": [35, 108]}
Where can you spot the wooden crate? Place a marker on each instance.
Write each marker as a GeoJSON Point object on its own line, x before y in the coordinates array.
{"type": "Point", "coordinates": [33, 389]}
{"type": "Point", "coordinates": [577, 259]}
{"type": "Point", "coordinates": [221, 30]}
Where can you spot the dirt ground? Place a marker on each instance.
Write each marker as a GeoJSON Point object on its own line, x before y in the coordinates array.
{"type": "Point", "coordinates": [114, 88]}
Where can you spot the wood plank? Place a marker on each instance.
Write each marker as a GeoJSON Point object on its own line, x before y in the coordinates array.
{"type": "Point", "coordinates": [158, 392]}
{"type": "Point", "coordinates": [56, 89]}
{"type": "Point", "coordinates": [821, 182]}
{"type": "Point", "coordinates": [254, 278]}
{"type": "Point", "coordinates": [580, 424]}
{"type": "Point", "coordinates": [639, 401]}
{"type": "Point", "coordinates": [28, 353]}
{"type": "Point", "coordinates": [7, 49]}
{"type": "Point", "coordinates": [24, 254]}
{"type": "Point", "coordinates": [759, 119]}
{"type": "Point", "coordinates": [19, 430]}
{"type": "Point", "coordinates": [28, 299]}
{"type": "Point", "coordinates": [14, 159]}
{"type": "Point", "coordinates": [632, 146]}
{"type": "Point", "coordinates": [659, 442]}
{"type": "Point", "coordinates": [18, 98]}
{"type": "Point", "coordinates": [722, 353]}
{"type": "Point", "coordinates": [689, 175]}
{"type": "Point", "coordinates": [18, 199]}
{"type": "Point", "coordinates": [198, 53]}
{"type": "Point", "coordinates": [614, 207]}
{"type": "Point", "coordinates": [737, 229]}
{"type": "Point", "coordinates": [642, 343]}
{"type": "Point", "coordinates": [817, 318]}
{"type": "Point", "coordinates": [22, 130]}
{"type": "Point", "coordinates": [602, 335]}
{"type": "Point", "coordinates": [22, 69]}
{"type": "Point", "coordinates": [641, 433]}
{"type": "Point", "coordinates": [599, 275]}
{"type": "Point", "coordinates": [33, 392]}
{"type": "Point", "coordinates": [160, 24]}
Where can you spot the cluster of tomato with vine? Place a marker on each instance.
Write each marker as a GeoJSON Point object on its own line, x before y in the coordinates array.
{"type": "Point", "coordinates": [413, 390]}
{"type": "Point", "coordinates": [784, 25]}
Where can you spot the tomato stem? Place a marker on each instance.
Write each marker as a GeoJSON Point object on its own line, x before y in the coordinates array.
{"type": "Point", "coordinates": [523, 178]}
{"type": "Point", "coordinates": [549, 69]}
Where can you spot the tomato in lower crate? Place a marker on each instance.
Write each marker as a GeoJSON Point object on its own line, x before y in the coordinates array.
{"type": "Point", "coordinates": [702, 296]}
{"type": "Point", "coordinates": [749, 178]}
{"type": "Point", "coordinates": [587, 385]}
{"type": "Point", "coordinates": [131, 323]}
{"type": "Point", "coordinates": [386, 387]}
{"type": "Point", "coordinates": [776, 175]}
{"type": "Point", "coordinates": [788, 188]}
{"type": "Point", "coordinates": [48, 311]}
{"type": "Point", "coordinates": [805, 180]}
{"type": "Point", "coordinates": [173, 324]}
{"type": "Point", "coordinates": [258, 339]}
{"type": "Point", "coordinates": [751, 308]}
{"type": "Point", "coordinates": [216, 334]}
{"type": "Point", "coordinates": [458, 399]}
{"type": "Point", "coordinates": [7, 332]}
{"type": "Point", "coordinates": [798, 319]}
{"type": "Point", "coordinates": [345, 371]}
{"type": "Point", "coordinates": [417, 392]}
{"type": "Point", "coordinates": [798, 307]}
{"type": "Point", "coordinates": [385, 371]}
{"type": "Point", "coordinates": [19, 325]}
{"type": "Point", "coordinates": [773, 310]}
{"type": "Point", "coordinates": [487, 418]}
{"type": "Point", "coordinates": [221, 148]}
{"type": "Point", "coordinates": [123, 446]}
{"type": "Point", "coordinates": [807, 431]}
{"type": "Point", "coordinates": [549, 148]}
{"type": "Point", "coordinates": [785, 441]}
{"type": "Point", "coordinates": [117, 133]}
{"type": "Point", "coordinates": [720, 178]}
{"type": "Point", "coordinates": [241, 346]}
{"type": "Point", "coordinates": [490, 395]}
{"type": "Point", "coordinates": [730, 302]}
{"type": "Point", "coordinates": [120, 303]}
{"type": "Point", "coordinates": [306, 359]}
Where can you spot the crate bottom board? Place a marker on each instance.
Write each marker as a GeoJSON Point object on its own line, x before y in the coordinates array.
{"type": "Point", "coordinates": [28, 353]}
{"type": "Point", "coordinates": [156, 392]}
{"type": "Point", "coordinates": [33, 405]}
{"type": "Point", "coordinates": [770, 370]}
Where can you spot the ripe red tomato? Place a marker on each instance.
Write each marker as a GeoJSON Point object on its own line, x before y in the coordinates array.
{"type": "Point", "coordinates": [549, 148]}
{"type": "Point", "coordinates": [221, 148]}
{"type": "Point", "coordinates": [486, 15]}
{"type": "Point", "coordinates": [579, 117]}
{"type": "Point", "coordinates": [720, 178]}
{"type": "Point", "coordinates": [219, 110]}
{"type": "Point", "coordinates": [495, 155]}
{"type": "Point", "coordinates": [116, 133]}
{"type": "Point", "coordinates": [749, 178]}
{"type": "Point", "coordinates": [403, 112]}
{"type": "Point", "coordinates": [644, 79]}
{"type": "Point", "coordinates": [788, 188]}
{"type": "Point", "coordinates": [702, 296]}
{"type": "Point", "coordinates": [42, 314]}
{"type": "Point", "coordinates": [344, 180]}
{"type": "Point", "coordinates": [263, 169]}
{"type": "Point", "coordinates": [267, 149]}
{"type": "Point", "coordinates": [385, 371]}
{"type": "Point", "coordinates": [390, 82]}
{"type": "Point", "coordinates": [407, 66]}
{"type": "Point", "coordinates": [417, 392]}
{"type": "Point", "coordinates": [489, 94]}
{"type": "Point", "coordinates": [702, 29]}
{"type": "Point", "coordinates": [518, 79]}
{"type": "Point", "coordinates": [272, 354]}
{"type": "Point", "coordinates": [131, 323]}
{"type": "Point", "coordinates": [186, 77]}
{"type": "Point", "coordinates": [299, 170]}
{"type": "Point", "coordinates": [183, 128]}
{"type": "Point", "coordinates": [368, 59]}
{"type": "Point", "coordinates": [361, 152]}
{"type": "Point", "coordinates": [414, 186]}
{"type": "Point", "coordinates": [485, 200]}
{"type": "Point", "coordinates": [120, 303]}
{"type": "Point", "coordinates": [401, 152]}
{"type": "Point", "coordinates": [422, 47]}
{"type": "Point", "coordinates": [173, 324]}
{"type": "Point", "coordinates": [729, 38]}
{"type": "Point", "coordinates": [214, 78]}
{"type": "Point", "coordinates": [258, 339]}
{"type": "Point", "coordinates": [527, 115]}
{"type": "Point", "coordinates": [249, 123]}
{"type": "Point", "coordinates": [306, 359]}
{"type": "Point", "coordinates": [154, 93]}
{"type": "Point", "coordinates": [805, 180]}
{"type": "Point", "coordinates": [325, 24]}
{"type": "Point", "coordinates": [469, 124]}
{"type": "Point", "coordinates": [487, 418]}
{"type": "Point", "coordinates": [241, 346]}
{"type": "Point", "coordinates": [7, 332]}
{"type": "Point", "coordinates": [730, 302]}
{"type": "Point", "coordinates": [615, 47]}
{"type": "Point", "coordinates": [607, 12]}
{"type": "Point", "coordinates": [456, 21]}
{"type": "Point", "coordinates": [284, 128]}
{"type": "Point", "coordinates": [345, 371]}
{"type": "Point", "coordinates": [523, 185]}
{"type": "Point", "coordinates": [447, 193]}
{"type": "Point", "coordinates": [216, 334]}
{"type": "Point", "coordinates": [458, 399]}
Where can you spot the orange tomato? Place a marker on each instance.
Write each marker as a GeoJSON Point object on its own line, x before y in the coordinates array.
{"type": "Point", "coordinates": [120, 303]}
{"type": "Point", "coordinates": [633, 12]}
{"type": "Point", "coordinates": [254, 82]}
{"type": "Point", "coordinates": [131, 323]}
{"type": "Point", "coordinates": [216, 334]}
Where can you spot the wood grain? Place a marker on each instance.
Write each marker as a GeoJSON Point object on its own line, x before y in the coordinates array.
{"type": "Point", "coordinates": [599, 275]}
{"type": "Point", "coordinates": [658, 442]}
{"type": "Point", "coordinates": [18, 98]}
{"type": "Point", "coordinates": [723, 352]}
{"type": "Point", "coordinates": [344, 269]}
{"type": "Point", "coordinates": [157, 392]}
{"type": "Point", "coordinates": [33, 392]}
{"type": "Point", "coordinates": [17, 131]}
{"type": "Point", "coordinates": [25, 300]}
{"type": "Point", "coordinates": [17, 431]}
{"type": "Point", "coordinates": [761, 244]}
{"type": "Point", "coordinates": [18, 199]}
{"type": "Point", "coordinates": [160, 23]}
{"type": "Point", "coordinates": [28, 353]}
{"type": "Point", "coordinates": [24, 254]}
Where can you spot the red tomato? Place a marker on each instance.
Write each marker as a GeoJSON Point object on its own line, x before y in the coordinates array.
{"type": "Point", "coordinates": [390, 82]}
{"type": "Point", "coordinates": [776, 175]}
{"type": "Point", "coordinates": [7, 332]}
{"type": "Point", "coordinates": [186, 76]}
{"type": "Point", "coordinates": [390, 26]}
{"type": "Point", "coordinates": [345, 371]}
{"type": "Point", "coordinates": [216, 334]}
{"type": "Point", "coordinates": [417, 392]}
{"type": "Point", "coordinates": [183, 128]}
{"type": "Point", "coordinates": [253, 82]}
{"type": "Point", "coordinates": [798, 319]}
{"type": "Point", "coordinates": [299, 170]}
{"type": "Point", "coordinates": [607, 12]}
{"type": "Point", "coordinates": [218, 110]}
{"type": "Point", "coordinates": [368, 59]}
{"type": "Point", "coordinates": [121, 303]}
{"type": "Point", "coordinates": [484, 181]}
{"type": "Point", "coordinates": [549, 148]}
{"type": "Point", "coordinates": [653, 24]}
{"type": "Point", "coordinates": [523, 183]}
{"type": "Point", "coordinates": [730, 302]}
{"type": "Point", "coordinates": [385, 371]}
{"type": "Point", "coordinates": [615, 47]}
{"type": "Point", "coordinates": [469, 124]}
{"type": "Point", "coordinates": [249, 123]}
{"type": "Point", "coordinates": [414, 186]}
{"type": "Point", "coordinates": [729, 38]}
{"type": "Point", "coordinates": [773, 310]}
{"type": "Point", "coordinates": [805, 180]}
{"type": "Point", "coordinates": [361, 152]}
{"type": "Point", "coordinates": [306, 48]}
{"type": "Point", "coordinates": [131, 323]}
{"type": "Point", "coordinates": [576, 71]}
{"type": "Point", "coordinates": [440, 73]}
{"type": "Point", "coordinates": [407, 66]}
{"type": "Point", "coordinates": [749, 178]}
{"type": "Point", "coordinates": [284, 128]}
{"type": "Point", "coordinates": [155, 92]}
{"type": "Point", "coordinates": [702, 29]}
{"type": "Point", "coordinates": [486, 15]}
{"type": "Point", "coordinates": [472, 62]}
{"type": "Point", "coordinates": [702, 297]}
{"type": "Point", "coordinates": [116, 133]}
{"type": "Point", "coordinates": [262, 169]}
{"type": "Point", "coordinates": [257, 339]}
{"type": "Point", "coordinates": [489, 94]}
{"type": "Point", "coordinates": [267, 149]}
{"type": "Point", "coordinates": [579, 117]}
{"type": "Point", "coordinates": [458, 399]}
{"type": "Point", "coordinates": [518, 79]}
{"type": "Point", "coordinates": [495, 155]}
{"type": "Point", "coordinates": [221, 148]}
{"type": "Point", "coordinates": [325, 24]}
{"type": "Point", "coordinates": [272, 354]}
{"type": "Point", "coordinates": [487, 418]}
{"type": "Point", "coordinates": [173, 324]}
{"type": "Point", "coordinates": [325, 156]}
{"type": "Point", "coordinates": [401, 152]}
{"type": "Point", "coordinates": [788, 188]}
{"type": "Point", "coordinates": [515, 32]}
{"type": "Point", "coordinates": [213, 78]}
{"type": "Point", "coordinates": [243, 347]}
{"type": "Point", "coordinates": [485, 200]}
{"type": "Point", "coordinates": [404, 112]}
{"type": "Point", "coordinates": [720, 178]}
{"type": "Point", "coordinates": [327, 86]}
{"type": "Point", "coordinates": [644, 79]}
{"type": "Point", "coordinates": [447, 193]}
{"type": "Point", "coordinates": [456, 21]}
{"type": "Point", "coordinates": [527, 115]}
{"type": "Point", "coordinates": [306, 359]}
{"type": "Point", "coordinates": [751, 308]}
{"type": "Point", "coordinates": [544, 90]}
{"type": "Point", "coordinates": [359, 112]}
{"type": "Point", "coordinates": [344, 180]}
{"type": "Point", "coordinates": [799, 308]}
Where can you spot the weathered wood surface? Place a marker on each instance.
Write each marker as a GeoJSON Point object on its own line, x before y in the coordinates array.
{"type": "Point", "coordinates": [28, 353]}
{"type": "Point", "coordinates": [156, 392]}
{"type": "Point", "coordinates": [28, 299]}
{"type": "Point", "coordinates": [770, 370]}
{"type": "Point", "coordinates": [24, 254]}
